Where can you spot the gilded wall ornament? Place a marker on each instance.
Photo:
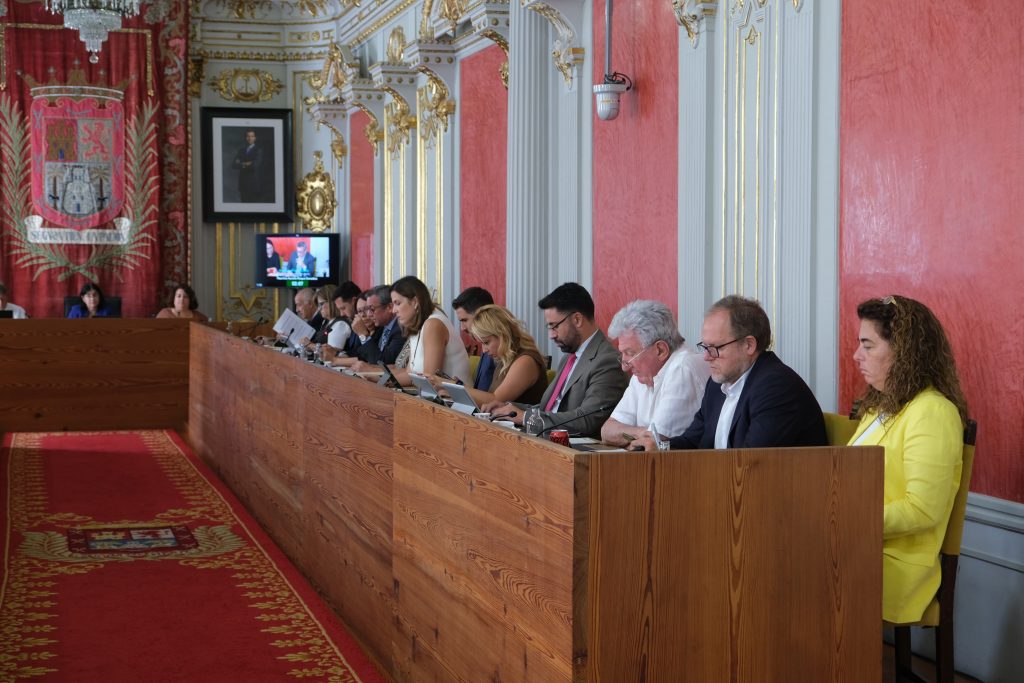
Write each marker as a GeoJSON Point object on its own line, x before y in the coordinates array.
{"type": "Point", "coordinates": [316, 198]}
{"type": "Point", "coordinates": [396, 46]}
{"type": "Point", "coordinates": [690, 14]}
{"type": "Point", "coordinates": [435, 107]}
{"type": "Point", "coordinates": [374, 133]}
{"type": "Point", "coordinates": [246, 85]}
{"type": "Point", "coordinates": [399, 121]}
{"type": "Point", "coordinates": [338, 147]}
{"type": "Point", "coordinates": [196, 75]}
{"type": "Point", "coordinates": [566, 55]}
{"type": "Point", "coordinates": [501, 42]}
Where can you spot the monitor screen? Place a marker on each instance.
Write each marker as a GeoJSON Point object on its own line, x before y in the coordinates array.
{"type": "Point", "coordinates": [303, 260]}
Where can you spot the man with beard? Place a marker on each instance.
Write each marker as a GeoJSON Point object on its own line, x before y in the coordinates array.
{"type": "Point", "coordinates": [590, 380]}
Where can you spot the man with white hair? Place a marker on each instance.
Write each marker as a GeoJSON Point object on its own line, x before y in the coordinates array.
{"type": "Point", "coordinates": [668, 377]}
{"type": "Point", "coordinates": [6, 305]}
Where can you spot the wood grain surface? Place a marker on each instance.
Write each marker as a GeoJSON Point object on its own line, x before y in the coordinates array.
{"type": "Point", "coordinates": [93, 374]}
{"type": "Point", "coordinates": [460, 551]}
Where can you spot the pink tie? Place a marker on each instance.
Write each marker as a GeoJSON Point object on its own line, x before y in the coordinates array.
{"type": "Point", "coordinates": [557, 393]}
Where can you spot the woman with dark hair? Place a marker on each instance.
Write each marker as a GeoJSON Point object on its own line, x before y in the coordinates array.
{"type": "Point", "coordinates": [914, 407]}
{"type": "Point", "coordinates": [336, 329]}
{"type": "Point", "coordinates": [183, 305]}
{"type": "Point", "coordinates": [520, 371]}
{"type": "Point", "coordinates": [433, 342]}
{"type": "Point", "coordinates": [92, 303]}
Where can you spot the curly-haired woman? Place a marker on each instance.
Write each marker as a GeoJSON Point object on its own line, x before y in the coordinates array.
{"type": "Point", "coordinates": [914, 407]}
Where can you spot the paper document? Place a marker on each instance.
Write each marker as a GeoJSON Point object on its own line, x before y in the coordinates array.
{"type": "Point", "coordinates": [295, 327]}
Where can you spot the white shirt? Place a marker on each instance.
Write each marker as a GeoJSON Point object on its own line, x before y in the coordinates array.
{"type": "Point", "coordinates": [673, 400]}
{"type": "Point", "coordinates": [732, 397]}
{"type": "Point", "coordinates": [338, 334]}
{"type": "Point", "coordinates": [19, 312]}
{"type": "Point", "coordinates": [456, 360]}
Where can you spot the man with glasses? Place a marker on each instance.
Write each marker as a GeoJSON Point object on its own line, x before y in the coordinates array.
{"type": "Point", "coordinates": [753, 400]}
{"type": "Point", "coordinates": [386, 340]}
{"type": "Point", "coordinates": [668, 377]}
{"type": "Point", "coordinates": [589, 381]}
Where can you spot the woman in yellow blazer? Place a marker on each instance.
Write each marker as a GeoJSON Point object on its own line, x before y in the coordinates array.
{"type": "Point", "coordinates": [914, 407]}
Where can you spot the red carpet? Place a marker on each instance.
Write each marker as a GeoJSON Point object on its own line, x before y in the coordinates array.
{"type": "Point", "coordinates": [126, 560]}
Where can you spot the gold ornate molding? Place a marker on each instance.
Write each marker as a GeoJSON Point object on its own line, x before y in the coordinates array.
{"type": "Point", "coordinates": [500, 41]}
{"type": "Point", "coordinates": [338, 147]}
{"type": "Point", "coordinates": [373, 131]}
{"type": "Point", "coordinates": [196, 76]}
{"type": "Point", "coordinates": [246, 85]}
{"type": "Point", "coordinates": [396, 47]}
{"type": "Point", "coordinates": [435, 106]}
{"type": "Point", "coordinates": [315, 198]}
{"type": "Point", "coordinates": [690, 14]}
{"type": "Point", "coordinates": [399, 121]}
{"type": "Point", "coordinates": [566, 55]}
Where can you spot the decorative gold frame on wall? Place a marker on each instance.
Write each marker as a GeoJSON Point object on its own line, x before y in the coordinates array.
{"type": "Point", "coordinates": [315, 198]}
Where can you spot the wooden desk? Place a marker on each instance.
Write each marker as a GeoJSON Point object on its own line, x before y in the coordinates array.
{"type": "Point", "coordinates": [93, 374]}
{"type": "Point", "coordinates": [457, 550]}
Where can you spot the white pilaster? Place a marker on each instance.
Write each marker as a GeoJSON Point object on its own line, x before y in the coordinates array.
{"type": "Point", "coordinates": [528, 201]}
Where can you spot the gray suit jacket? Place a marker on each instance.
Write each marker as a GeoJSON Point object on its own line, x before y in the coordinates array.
{"type": "Point", "coordinates": [596, 381]}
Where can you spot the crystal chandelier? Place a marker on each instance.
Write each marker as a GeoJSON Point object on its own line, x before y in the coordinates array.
{"type": "Point", "coordinates": [93, 19]}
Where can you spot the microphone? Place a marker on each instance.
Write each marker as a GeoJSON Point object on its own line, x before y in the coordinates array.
{"type": "Point", "coordinates": [253, 327]}
{"type": "Point", "coordinates": [588, 413]}
{"type": "Point", "coordinates": [284, 344]}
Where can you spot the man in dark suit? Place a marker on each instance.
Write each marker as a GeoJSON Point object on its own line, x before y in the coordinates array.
{"type": "Point", "coordinates": [466, 305]}
{"type": "Point", "coordinates": [301, 260]}
{"type": "Point", "coordinates": [387, 339]}
{"type": "Point", "coordinates": [590, 380]}
{"type": "Point", "coordinates": [753, 400]}
{"type": "Point", "coordinates": [249, 164]}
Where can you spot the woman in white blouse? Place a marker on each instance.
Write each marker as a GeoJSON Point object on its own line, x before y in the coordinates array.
{"type": "Point", "coordinates": [434, 343]}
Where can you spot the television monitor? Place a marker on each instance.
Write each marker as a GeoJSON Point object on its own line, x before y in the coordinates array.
{"type": "Point", "coordinates": [297, 260]}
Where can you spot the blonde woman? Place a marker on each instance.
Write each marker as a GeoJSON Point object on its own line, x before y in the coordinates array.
{"type": "Point", "coordinates": [520, 374]}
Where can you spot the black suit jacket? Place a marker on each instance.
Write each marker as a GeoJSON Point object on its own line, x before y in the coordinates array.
{"type": "Point", "coordinates": [776, 408]}
{"type": "Point", "coordinates": [370, 351]}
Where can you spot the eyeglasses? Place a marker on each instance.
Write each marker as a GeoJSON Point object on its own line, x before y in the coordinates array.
{"type": "Point", "coordinates": [554, 326]}
{"type": "Point", "coordinates": [713, 349]}
{"type": "Point", "coordinates": [629, 363]}
{"type": "Point", "coordinates": [370, 309]}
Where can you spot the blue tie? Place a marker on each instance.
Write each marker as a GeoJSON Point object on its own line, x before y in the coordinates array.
{"type": "Point", "coordinates": [384, 337]}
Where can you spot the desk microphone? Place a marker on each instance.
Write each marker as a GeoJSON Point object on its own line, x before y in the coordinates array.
{"type": "Point", "coordinates": [253, 327]}
{"type": "Point", "coordinates": [608, 406]}
{"type": "Point", "coordinates": [284, 344]}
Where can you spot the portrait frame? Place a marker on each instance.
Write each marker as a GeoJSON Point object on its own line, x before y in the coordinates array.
{"type": "Point", "coordinates": [243, 180]}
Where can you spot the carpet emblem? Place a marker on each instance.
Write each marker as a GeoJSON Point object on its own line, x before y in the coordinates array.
{"type": "Point", "coordinates": [167, 539]}
{"type": "Point", "coordinates": [94, 545]}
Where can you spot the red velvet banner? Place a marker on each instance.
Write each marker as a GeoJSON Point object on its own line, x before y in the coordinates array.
{"type": "Point", "coordinates": [95, 159]}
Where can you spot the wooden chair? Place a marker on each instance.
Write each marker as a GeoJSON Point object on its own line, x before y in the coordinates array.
{"type": "Point", "coordinates": [939, 614]}
{"type": "Point", "coordinates": [474, 363]}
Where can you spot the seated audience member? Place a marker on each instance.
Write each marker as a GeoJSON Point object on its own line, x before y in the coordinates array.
{"type": "Point", "coordinates": [92, 303]}
{"type": "Point", "coordinates": [434, 345]}
{"type": "Point", "coordinates": [465, 306]}
{"type": "Point", "coordinates": [306, 308]}
{"type": "Point", "coordinates": [386, 338]}
{"type": "Point", "coordinates": [273, 259]}
{"type": "Point", "coordinates": [6, 305]}
{"type": "Point", "coordinates": [521, 372]}
{"type": "Point", "coordinates": [335, 330]}
{"type": "Point", "coordinates": [183, 305]}
{"type": "Point", "coordinates": [668, 378]}
{"type": "Point", "coordinates": [345, 297]}
{"type": "Point", "coordinates": [589, 381]}
{"type": "Point", "coordinates": [753, 400]}
{"type": "Point", "coordinates": [914, 407]}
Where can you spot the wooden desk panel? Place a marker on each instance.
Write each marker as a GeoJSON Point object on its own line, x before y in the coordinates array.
{"type": "Point", "coordinates": [309, 452]}
{"type": "Point", "coordinates": [93, 374]}
{"type": "Point", "coordinates": [459, 551]}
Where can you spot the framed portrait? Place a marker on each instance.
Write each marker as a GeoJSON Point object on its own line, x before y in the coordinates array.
{"type": "Point", "coordinates": [247, 165]}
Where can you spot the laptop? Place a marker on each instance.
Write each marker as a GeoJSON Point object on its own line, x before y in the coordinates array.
{"type": "Point", "coordinates": [427, 389]}
{"type": "Point", "coordinates": [461, 399]}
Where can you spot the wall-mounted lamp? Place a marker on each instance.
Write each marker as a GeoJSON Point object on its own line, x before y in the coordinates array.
{"type": "Point", "coordinates": [607, 94]}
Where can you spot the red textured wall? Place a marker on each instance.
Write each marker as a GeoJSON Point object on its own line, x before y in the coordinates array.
{"type": "Point", "coordinates": [932, 143]}
{"type": "Point", "coordinates": [483, 121]}
{"type": "Point", "coordinates": [361, 194]}
{"type": "Point", "coordinates": [635, 160]}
